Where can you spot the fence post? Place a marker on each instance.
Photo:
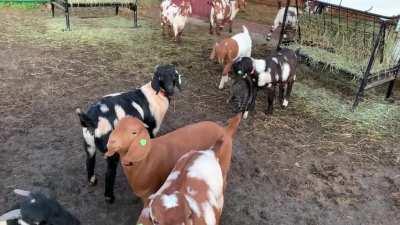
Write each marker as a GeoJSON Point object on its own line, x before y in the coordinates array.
{"type": "Point", "coordinates": [298, 22]}
{"type": "Point", "coordinates": [66, 11]}
{"type": "Point", "coordinates": [52, 8]}
{"type": "Point", "coordinates": [135, 8]}
{"type": "Point", "coordinates": [283, 25]}
{"type": "Point", "coordinates": [364, 80]}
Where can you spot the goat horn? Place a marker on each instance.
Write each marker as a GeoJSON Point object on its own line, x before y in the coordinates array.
{"type": "Point", "coordinates": [13, 214]}
{"type": "Point", "coordinates": [22, 192]}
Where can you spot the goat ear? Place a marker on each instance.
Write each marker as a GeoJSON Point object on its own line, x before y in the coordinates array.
{"type": "Point", "coordinates": [155, 83]}
{"type": "Point", "coordinates": [22, 192]}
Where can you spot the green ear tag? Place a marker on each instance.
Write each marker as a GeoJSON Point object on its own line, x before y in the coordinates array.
{"type": "Point", "coordinates": [143, 142]}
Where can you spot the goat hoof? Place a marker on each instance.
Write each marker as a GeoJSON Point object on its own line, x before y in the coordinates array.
{"type": "Point", "coordinates": [93, 181]}
{"type": "Point", "coordinates": [109, 199]}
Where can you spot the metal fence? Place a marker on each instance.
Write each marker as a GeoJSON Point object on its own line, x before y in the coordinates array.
{"type": "Point", "coordinates": [360, 43]}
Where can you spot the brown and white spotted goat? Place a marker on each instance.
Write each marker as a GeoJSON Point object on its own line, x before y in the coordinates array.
{"type": "Point", "coordinates": [193, 192]}
{"type": "Point", "coordinates": [174, 14]}
{"type": "Point", "coordinates": [222, 12]}
{"type": "Point", "coordinates": [278, 69]}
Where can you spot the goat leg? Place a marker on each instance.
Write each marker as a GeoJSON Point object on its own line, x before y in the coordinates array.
{"type": "Point", "coordinates": [288, 92]}
{"type": "Point", "coordinates": [281, 93]}
{"type": "Point", "coordinates": [90, 165]}
{"type": "Point", "coordinates": [230, 26]}
{"type": "Point", "coordinates": [112, 163]}
{"type": "Point", "coordinates": [271, 97]}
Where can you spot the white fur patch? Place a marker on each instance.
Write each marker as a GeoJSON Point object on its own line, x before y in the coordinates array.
{"type": "Point", "coordinates": [89, 139]}
{"type": "Point", "coordinates": [3, 222]}
{"type": "Point", "coordinates": [275, 60]}
{"type": "Point", "coordinates": [193, 205]}
{"type": "Point", "coordinates": [285, 102]}
{"type": "Point", "coordinates": [138, 108]}
{"type": "Point", "coordinates": [113, 94]}
{"type": "Point", "coordinates": [244, 42]}
{"type": "Point", "coordinates": [21, 222]}
{"type": "Point", "coordinates": [104, 108]}
{"type": "Point", "coordinates": [224, 79]}
{"type": "Point", "coordinates": [172, 176]}
{"type": "Point", "coordinates": [285, 71]}
{"type": "Point", "coordinates": [103, 127]}
{"type": "Point", "coordinates": [119, 111]}
{"type": "Point", "coordinates": [207, 169]}
{"type": "Point", "coordinates": [115, 122]}
{"type": "Point", "coordinates": [158, 105]}
{"type": "Point", "coordinates": [93, 179]}
{"type": "Point", "coordinates": [265, 78]}
{"type": "Point", "coordinates": [245, 114]}
{"type": "Point", "coordinates": [209, 215]}
{"type": "Point", "coordinates": [294, 77]}
{"type": "Point", "coordinates": [169, 201]}
{"type": "Point", "coordinates": [145, 212]}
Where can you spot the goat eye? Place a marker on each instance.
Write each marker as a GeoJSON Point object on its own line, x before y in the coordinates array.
{"type": "Point", "coordinates": [134, 132]}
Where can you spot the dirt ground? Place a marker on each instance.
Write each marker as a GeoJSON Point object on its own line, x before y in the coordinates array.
{"type": "Point", "coordinates": [299, 166]}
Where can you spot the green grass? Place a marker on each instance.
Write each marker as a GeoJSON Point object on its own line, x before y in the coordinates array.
{"type": "Point", "coordinates": [20, 4]}
{"type": "Point", "coordinates": [373, 117]}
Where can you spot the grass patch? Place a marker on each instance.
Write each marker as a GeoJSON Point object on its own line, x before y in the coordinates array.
{"type": "Point", "coordinates": [341, 44]}
{"type": "Point", "coordinates": [20, 4]}
{"type": "Point", "coordinates": [374, 117]}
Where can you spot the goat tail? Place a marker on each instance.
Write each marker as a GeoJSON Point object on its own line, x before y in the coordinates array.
{"type": "Point", "coordinates": [233, 124]}
{"type": "Point", "coordinates": [245, 29]}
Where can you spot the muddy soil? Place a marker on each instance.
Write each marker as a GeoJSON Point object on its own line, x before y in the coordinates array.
{"type": "Point", "coordinates": [286, 169]}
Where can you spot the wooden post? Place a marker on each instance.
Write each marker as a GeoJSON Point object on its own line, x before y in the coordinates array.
{"type": "Point", "coordinates": [298, 22]}
{"type": "Point", "coordinates": [135, 16]}
{"type": "Point", "coordinates": [52, 8]}
{"type": "Point", "coordinates": [116, 9]}
{"type": "Point", "coordinates": [283, 25]}
{"type": "Point", "coordinates": [66, 6]}
{"type": "Point", "coordinates": [364, 80]}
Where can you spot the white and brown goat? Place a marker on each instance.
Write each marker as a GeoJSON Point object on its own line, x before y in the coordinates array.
{"type": "Point", "coordinates": [278, 69]}
{"type": "Point", "coordinates": [230, 49]}
{"type": "Point", "coordinates": [174, 15]}
{"type": "Point", "coordinates": [222, 12]}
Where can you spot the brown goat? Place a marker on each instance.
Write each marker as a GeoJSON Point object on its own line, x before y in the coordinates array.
{"type": "Point", "coordinates": [147, 162]}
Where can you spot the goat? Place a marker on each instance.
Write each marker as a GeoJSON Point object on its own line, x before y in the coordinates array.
{"type": "Point", "coordinates": [147, 162]}
{"type": "Point", "coordinates": [35, 209]}
{"type": "Point", "coordinates": [174, 16]}
{"type": "Point", "coordinates": [230, 49]}
{"type": "Point", "coordinates": [279, 68]}
{"type": "Point", "coordinates": [222, 12]}
{"type": "Point", "coordinates": [291, 22]}
{"type": "Point", "coordinates": [149, 104]}
{"type": "Point", "coordinates": [193, 191]}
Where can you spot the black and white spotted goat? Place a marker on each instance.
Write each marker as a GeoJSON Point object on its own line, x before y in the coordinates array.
{"type": "Point", "coordinates": [37, 209]}
{"type": "Point", "coordinates": [149, 103]}
{"type": "Point", "coordinates": [278, 69]}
